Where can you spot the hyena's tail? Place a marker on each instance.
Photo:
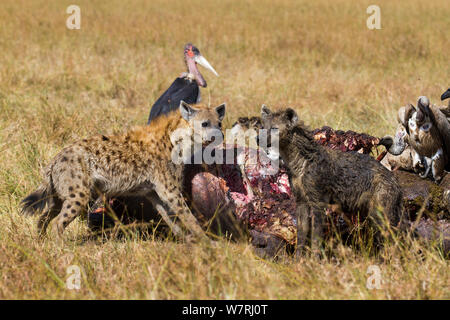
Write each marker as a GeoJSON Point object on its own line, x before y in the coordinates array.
{"type": "Point", "coordinates": [36, 201]}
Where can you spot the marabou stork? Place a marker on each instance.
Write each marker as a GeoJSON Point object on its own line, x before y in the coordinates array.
{"type": "Point", "coordinates": [185, 87]}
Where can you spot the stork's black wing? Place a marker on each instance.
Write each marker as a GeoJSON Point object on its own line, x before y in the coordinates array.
{"type": "Point", "coordinates": [181, 89]}
{"type": "Point", "coordinates": [446, 95]}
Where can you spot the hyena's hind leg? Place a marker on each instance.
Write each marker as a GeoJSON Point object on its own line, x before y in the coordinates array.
{"type": "Point", "coordinates": [310, 221]}
{"type": "Point", "coordinates": [74, 205]}
{"type": "Point", "coordinates": [73, 185]}
{"type": "Point", "coordinates": [54, 207]}
{"type": "Point", "coordinates": [386, 213]}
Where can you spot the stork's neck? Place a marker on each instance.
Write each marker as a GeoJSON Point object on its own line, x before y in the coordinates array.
{"type": "Point", "coordinates": [192, 69]}
{"type": "Point", "coordinates": [188, 76]}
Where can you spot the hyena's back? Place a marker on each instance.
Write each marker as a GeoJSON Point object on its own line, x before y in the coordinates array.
{"type": "Point", "coordinates": [100, 165]}
{"type": "Point", "coordinates": [361, 184]}
{"type": "Point", "coordinates": [110, 165]}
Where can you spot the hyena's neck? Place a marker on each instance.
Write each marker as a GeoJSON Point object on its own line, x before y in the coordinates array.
{"type": "Point", "coordinates": [160, 131]}
{"type": "Point", "coordinates": [297, 145]}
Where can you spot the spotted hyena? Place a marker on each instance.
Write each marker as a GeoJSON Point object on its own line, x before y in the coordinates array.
{"type": "Point", "coordinates": [138, 162]}
{"type": "Point", "coordinates": [356, 183]}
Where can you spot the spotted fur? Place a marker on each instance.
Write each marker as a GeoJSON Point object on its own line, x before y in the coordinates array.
{"type": "Point", "coordinates": [137, 162]}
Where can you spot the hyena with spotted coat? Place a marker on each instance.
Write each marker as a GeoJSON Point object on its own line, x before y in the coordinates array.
{"type": "Point", "coordinates": [138, 162]}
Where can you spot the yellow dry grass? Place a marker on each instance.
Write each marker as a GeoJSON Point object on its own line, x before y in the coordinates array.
{"type": "Point", "coordinates": [57, 85]}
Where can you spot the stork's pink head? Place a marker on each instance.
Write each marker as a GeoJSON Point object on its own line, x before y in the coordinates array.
{"type": "Point", "coordinates": [193, 56]}
{"type": "Point", "coordinates": [190, 50]}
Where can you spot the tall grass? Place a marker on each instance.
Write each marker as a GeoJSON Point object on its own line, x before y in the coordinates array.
{"type": "Point", "coordinates": [57, 85]}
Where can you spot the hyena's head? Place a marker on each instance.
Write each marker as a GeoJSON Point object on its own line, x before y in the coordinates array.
{"type": "Point", "coordinates": [205, 123]}
{"type": "Point", "coordinates": [246, 123]}
{"type": "Point", "coordinates": [277, 125]}
{"type": "Point", "coordinates": [282, 120]}
{"type": "Point", "coordinates": [246, 131]}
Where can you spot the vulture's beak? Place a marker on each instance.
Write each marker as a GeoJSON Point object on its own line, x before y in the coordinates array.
{"type": "Point", "coordinates": [446, 95]}
{"type": "Point", "coordinates": [204, 63]}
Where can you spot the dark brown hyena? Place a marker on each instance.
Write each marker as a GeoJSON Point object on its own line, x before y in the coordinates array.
{"type": "Point", "coordinates": [322, 177]}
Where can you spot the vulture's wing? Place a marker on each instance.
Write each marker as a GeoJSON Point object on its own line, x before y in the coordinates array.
{"type": "Point", "coordinates": [443, 126]}
{"type": "Point", "coordinates": [445, 110]}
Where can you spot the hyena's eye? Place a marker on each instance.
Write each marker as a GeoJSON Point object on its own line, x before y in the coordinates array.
{"type": "Point", "coordinates": [220, 124]}
{"type": "Point", "coordinates": [205, 124]}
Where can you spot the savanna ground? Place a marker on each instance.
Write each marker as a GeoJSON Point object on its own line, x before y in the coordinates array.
{"type": "Point", "coordinates": [58, 85]}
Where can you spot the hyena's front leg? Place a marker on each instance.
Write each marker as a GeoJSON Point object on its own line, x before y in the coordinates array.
{"type": "Point", "coordinates": [317, 226]}
{"type": "Point", "coordinates": [303, 227]}
{"type": "Point", "coordinates": [161, 207]}
{"type": "Point", "coordinates": [173, 198]}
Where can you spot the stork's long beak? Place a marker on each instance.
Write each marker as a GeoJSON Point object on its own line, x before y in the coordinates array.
{"type": "Point", "coordinates": [204, 63]}
{"type": "Point", "coordinates": [446, 95]}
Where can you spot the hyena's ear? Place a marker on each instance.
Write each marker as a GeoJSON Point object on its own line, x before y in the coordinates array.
{"type": "Point", "coordinates": [221, 111]}
{"type": "Point", "coordinates": [291, 116]}
{"type": "Point", "coordinates": [187, 112]}
{"type": "Point", "coordinates": [265, 111]}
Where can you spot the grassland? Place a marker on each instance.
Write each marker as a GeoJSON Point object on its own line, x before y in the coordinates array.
{"type": "Point", "coordinates": [57, 85]}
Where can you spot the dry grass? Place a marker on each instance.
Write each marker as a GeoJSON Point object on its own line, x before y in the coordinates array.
{"type": "Point", "coordinates": [57, 85]}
